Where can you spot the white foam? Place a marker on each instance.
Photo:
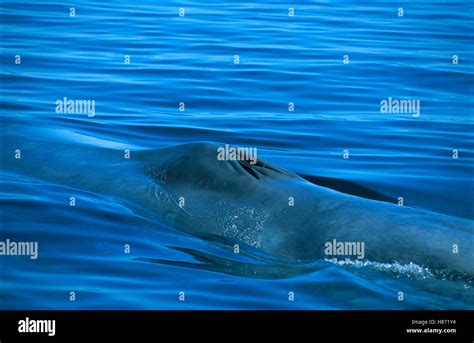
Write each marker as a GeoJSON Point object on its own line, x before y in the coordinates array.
{"type": "Point", "coordinates": [410, 269]}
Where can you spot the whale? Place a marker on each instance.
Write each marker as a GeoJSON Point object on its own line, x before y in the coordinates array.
{"type": "Point", "coordinates": [255, 203]}
{"type": "Point", "coordinates": [281, 213]}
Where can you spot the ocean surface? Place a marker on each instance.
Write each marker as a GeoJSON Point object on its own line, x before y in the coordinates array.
{"type": "Point", "coordinates": [302, 88]}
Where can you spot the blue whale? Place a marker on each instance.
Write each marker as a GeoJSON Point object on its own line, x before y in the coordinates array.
{"type": "Point", "coordinates": [256, 203]}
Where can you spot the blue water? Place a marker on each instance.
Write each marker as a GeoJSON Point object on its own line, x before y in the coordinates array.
{"type": "Point", "coordinates": [190, 59]}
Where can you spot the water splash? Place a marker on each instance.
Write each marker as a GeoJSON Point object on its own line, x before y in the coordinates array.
{"type": "Point", "coordinates": [398, 270]}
